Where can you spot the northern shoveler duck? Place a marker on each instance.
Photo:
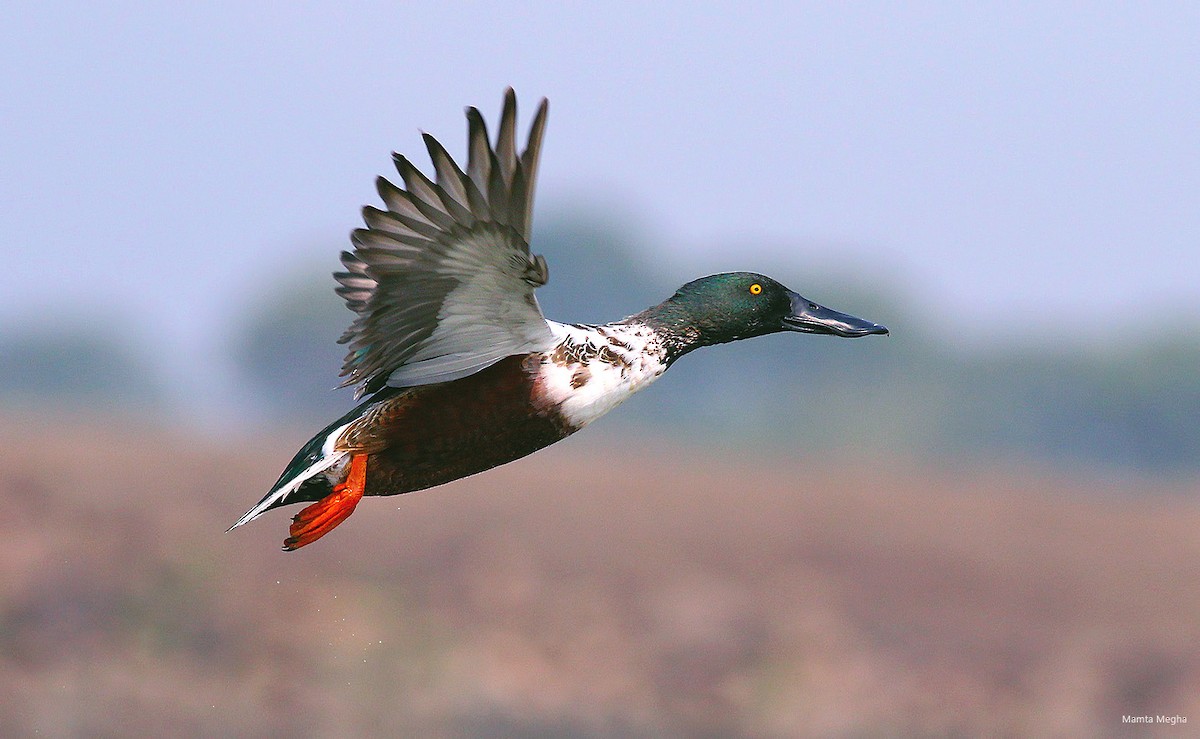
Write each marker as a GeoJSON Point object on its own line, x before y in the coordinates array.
{"type": "Point", "coordinates": [462, 371]}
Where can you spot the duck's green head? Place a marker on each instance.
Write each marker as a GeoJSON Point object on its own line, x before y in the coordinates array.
{"type": "Point", "coordinates": [738, 305]}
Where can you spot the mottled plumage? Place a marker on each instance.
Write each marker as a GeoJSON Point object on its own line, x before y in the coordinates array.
{"type": "Point", "coordinates": [462, 371]}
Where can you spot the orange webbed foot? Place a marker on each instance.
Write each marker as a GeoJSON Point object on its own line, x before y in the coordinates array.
{"type": "Point", "coordinates": [323, 516]}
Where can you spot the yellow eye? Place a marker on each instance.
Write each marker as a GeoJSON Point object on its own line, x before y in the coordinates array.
{"type": "Point", "coordinates": [755, 289]}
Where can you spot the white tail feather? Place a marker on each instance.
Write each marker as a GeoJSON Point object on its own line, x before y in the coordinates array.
{"type": "Point", "coordinates": [328, 459]}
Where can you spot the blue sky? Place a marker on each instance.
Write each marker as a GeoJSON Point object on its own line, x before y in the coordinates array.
{"type": "Point", "coordinates": [1017, 168]}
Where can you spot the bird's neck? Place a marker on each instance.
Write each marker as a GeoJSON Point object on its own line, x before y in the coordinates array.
{"type": "Point", "coordinates": [679, 328]}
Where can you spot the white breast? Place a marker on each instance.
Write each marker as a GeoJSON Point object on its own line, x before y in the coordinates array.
{"type": "Point", "coordinates": [592, 369]}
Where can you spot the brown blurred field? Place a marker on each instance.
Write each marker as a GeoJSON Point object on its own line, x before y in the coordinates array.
{"type": "Point", "coordinates": [589, 590]}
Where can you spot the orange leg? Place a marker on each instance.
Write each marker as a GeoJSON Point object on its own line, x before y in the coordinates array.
{"type": "Point", "coordinates": [321, 517]}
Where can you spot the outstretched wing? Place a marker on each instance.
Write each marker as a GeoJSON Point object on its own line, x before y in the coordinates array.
{"type": "Point", "coordinates": [442, 280]}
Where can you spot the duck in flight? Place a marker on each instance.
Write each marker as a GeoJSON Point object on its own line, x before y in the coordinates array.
{"type": "Point", "coordinates": [461, 371]}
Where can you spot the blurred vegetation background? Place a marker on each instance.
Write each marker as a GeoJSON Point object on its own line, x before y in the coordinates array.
{"type": "Point", "coordinates": [928, 534]}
